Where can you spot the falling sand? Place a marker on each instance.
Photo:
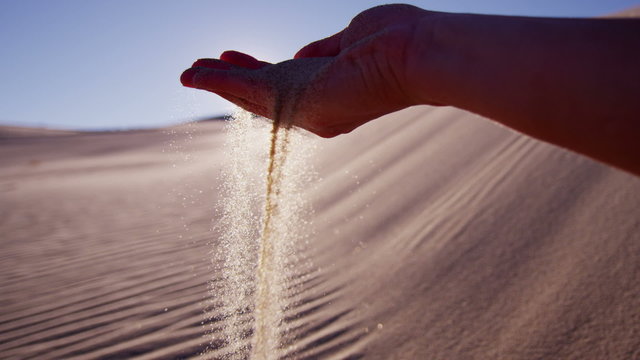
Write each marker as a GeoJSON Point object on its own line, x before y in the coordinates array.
{"type": "Point", "coordinates": [256, 270]}
{"type": "Point", "coordinates": [258, 251]}
{"type": "Point", "coordinates": [265, 307]}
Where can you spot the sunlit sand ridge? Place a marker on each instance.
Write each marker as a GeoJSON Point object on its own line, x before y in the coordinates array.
{"type": "Point", "coordinates": [263, 224]}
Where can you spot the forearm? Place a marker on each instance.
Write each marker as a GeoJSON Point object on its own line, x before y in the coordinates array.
{"type": "Point", "coordinates": [571, 82]}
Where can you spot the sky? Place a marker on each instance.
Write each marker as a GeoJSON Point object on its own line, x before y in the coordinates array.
{"type": "Point", "coordinates": [104, 65]}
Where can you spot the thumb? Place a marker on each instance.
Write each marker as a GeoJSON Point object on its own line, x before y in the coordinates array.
{"type": "Point", "coordinates": [322, 48]}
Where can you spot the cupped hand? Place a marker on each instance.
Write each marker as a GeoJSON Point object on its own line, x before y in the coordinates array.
{"type": "Point", "coordinates": [332, 86]}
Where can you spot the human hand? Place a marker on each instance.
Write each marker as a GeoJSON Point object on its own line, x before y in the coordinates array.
{"type": "Point", "coordinates": [333, 85]}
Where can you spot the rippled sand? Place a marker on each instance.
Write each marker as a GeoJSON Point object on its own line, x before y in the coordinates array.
{"type": "Point", "coordinates": [436, 235]}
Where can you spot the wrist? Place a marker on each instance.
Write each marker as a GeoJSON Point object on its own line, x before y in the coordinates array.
{"type": "Point", "coordinates": [430, 62]}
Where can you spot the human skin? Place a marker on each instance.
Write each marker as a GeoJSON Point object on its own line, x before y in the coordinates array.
{"type": "Point", "coordinates": [571, 82]}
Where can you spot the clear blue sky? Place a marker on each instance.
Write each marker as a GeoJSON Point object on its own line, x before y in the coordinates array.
{"type": "Point", "coordinates": [96, 64]}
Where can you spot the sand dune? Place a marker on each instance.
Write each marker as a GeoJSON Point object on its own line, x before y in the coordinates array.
{"type": "Point", "coordinates": [437, 235]}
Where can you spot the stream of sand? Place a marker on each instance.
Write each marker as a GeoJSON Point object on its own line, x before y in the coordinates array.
{"type": "Point", "coordinates": [262, 228]}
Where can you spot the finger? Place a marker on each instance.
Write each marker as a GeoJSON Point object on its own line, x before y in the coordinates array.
{"type": "Point", "coordinates": [187, 77]}
{"type": "Point", "coordinates": [241, 83]}
{"type": "Point", "coordinates": [322, 48]}
{"type": "Point", "coordinates": [217, 80]}
{"type": "Point", "coordinates": [213, 64]}
{"type": "Point", "coordinates": [216, 64]}
{"type": "Point", "coordinates": [241, 59]}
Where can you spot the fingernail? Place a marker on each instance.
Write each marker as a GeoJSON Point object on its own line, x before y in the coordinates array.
{"type": "Point", "coordinates": [187, 77]}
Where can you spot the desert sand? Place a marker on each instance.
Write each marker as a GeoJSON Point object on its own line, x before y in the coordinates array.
{"type": "Point", "coordinates": [436, 235]}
